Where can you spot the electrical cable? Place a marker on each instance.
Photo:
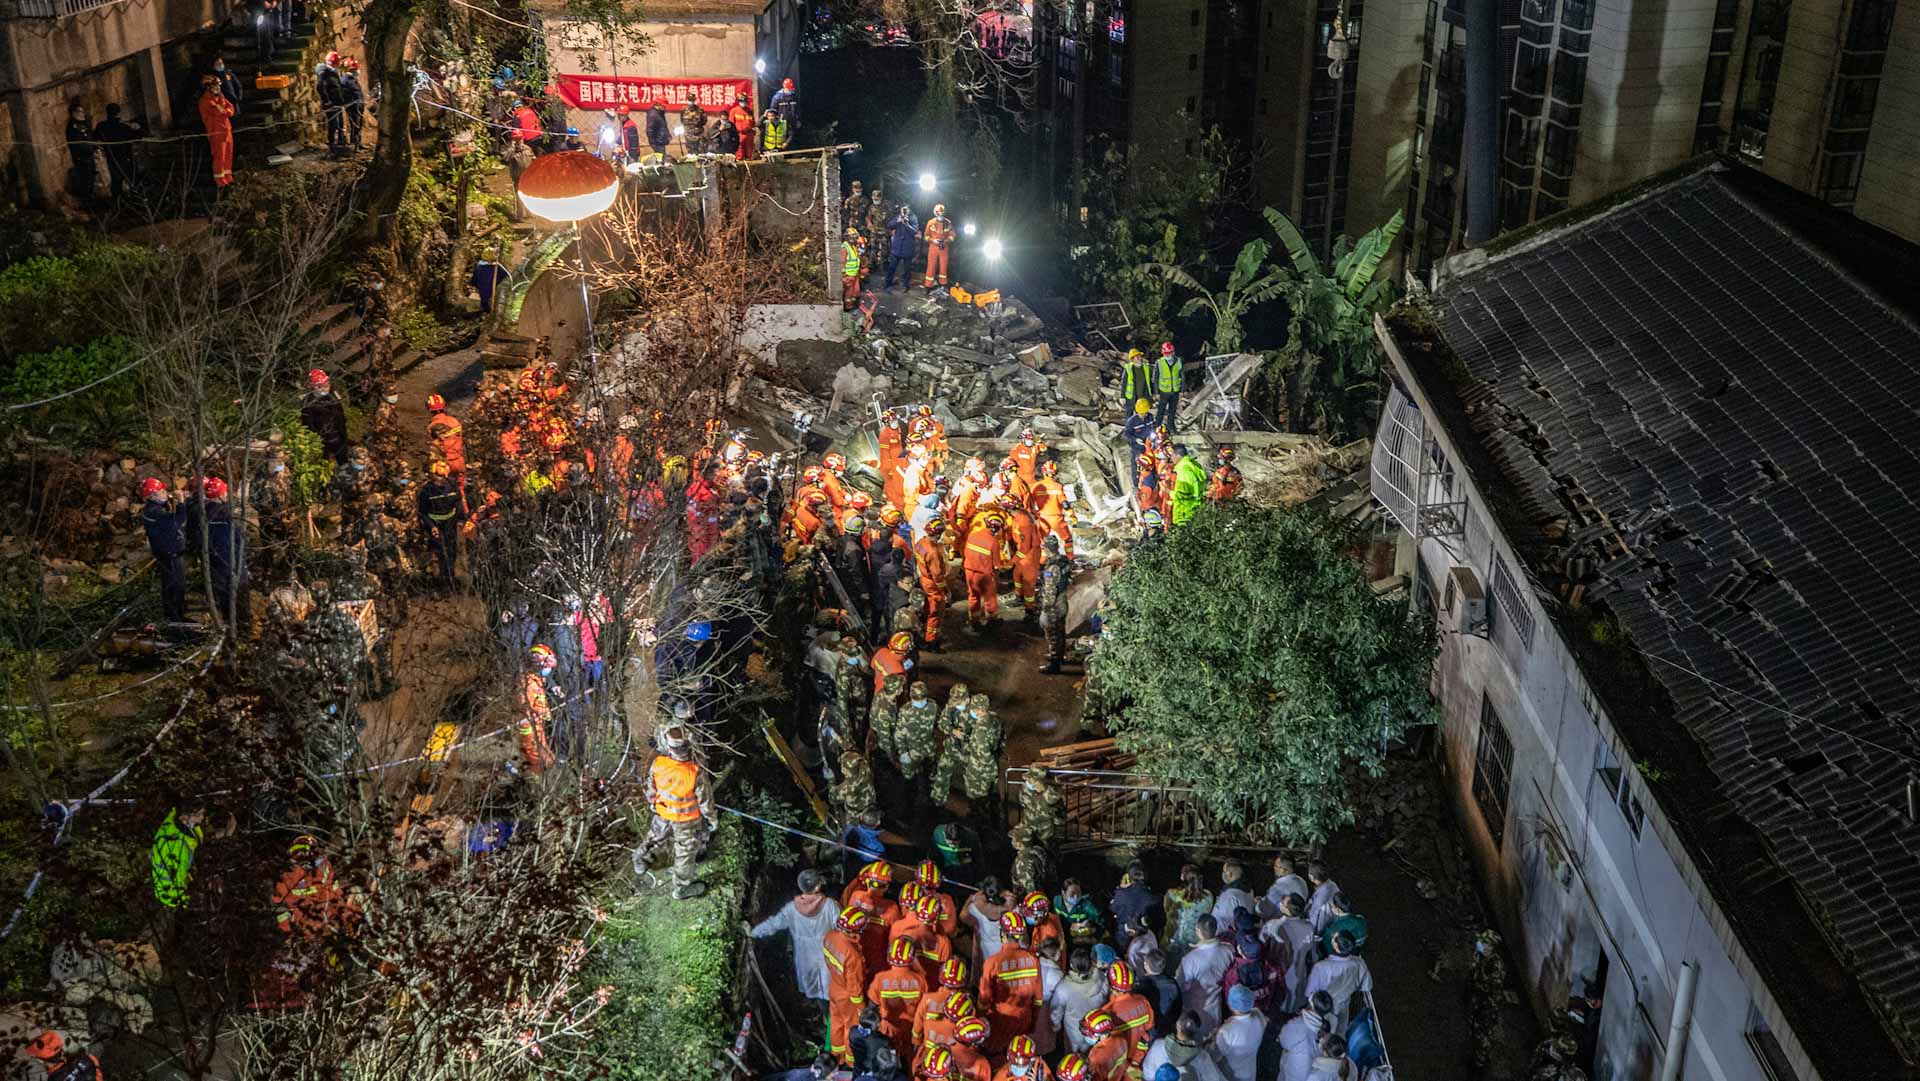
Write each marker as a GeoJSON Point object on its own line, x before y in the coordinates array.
{"type": "Point", "coordinates": [162, 674]}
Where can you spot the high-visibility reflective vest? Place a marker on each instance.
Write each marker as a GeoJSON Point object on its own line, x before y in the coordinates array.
{"type": "Point", "coordinates": [1170, 370]}
{"type": "Point", "coordinates": [851, 255]}
{"type": "Point", "coordinates": [673, 789]}
{"type": "Point", "coordinates": [773, 136]}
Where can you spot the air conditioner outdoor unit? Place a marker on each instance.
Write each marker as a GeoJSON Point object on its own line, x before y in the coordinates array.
{"type": "Point", "coordinates": [1466, 601]}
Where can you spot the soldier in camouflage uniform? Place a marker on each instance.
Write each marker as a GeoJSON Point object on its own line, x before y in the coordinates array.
{"type": "Point", "coordinates": [1030, 862]}
{"type": "Point", "coordinates": [980, 776]}
{"type": "Point", "coordinates": [1043, 811]}
{"type": "Point", "coordinates": [383, 435]}
{"type": "Point", "coordinates": [883, 715]}
{"type": "Point", "coordinates": [1056, 573]}
{"type": "Point", "coordinates": [914, 730]}
{"type": "Point", "coordinates": [354, 479]}
{"type": "Point", "coordinates": [910, 614]}
{"type": "Point", "coordinates": [836, 719]}
{"type": "Point", "coordinates": [854, 795]}
{"type": "Point", "coordinates": [271, 496]}
{"type": "Point", "coordinates": [954, 726]}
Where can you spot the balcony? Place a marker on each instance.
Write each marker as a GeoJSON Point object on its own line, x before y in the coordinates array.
{"type": "Point", "coordinates": [50, 9]}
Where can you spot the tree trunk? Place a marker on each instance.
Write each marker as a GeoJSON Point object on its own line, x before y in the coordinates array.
{"type": "Point", "coordinates": [388, 23]}
{"type": "Point", "coordinates": [453, 283]}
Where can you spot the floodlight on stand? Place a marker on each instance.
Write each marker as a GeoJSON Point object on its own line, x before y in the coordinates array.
{"type": "Point", "coordinates": [927, 181]}
{"type": "Point", "coordinates": [968, 229]}
{"type": "Point", "coordinates": [568, 186]}
{"type": "Point", "coordinates": [991, 249]}
{"type": "Point", "coordinates": [679, 131]}
{"type": "Point", "coordinates": [759, 66]}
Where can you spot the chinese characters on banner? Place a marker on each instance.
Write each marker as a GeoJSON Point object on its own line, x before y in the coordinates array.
{"type": "Point", "coordinates": [609, 91]}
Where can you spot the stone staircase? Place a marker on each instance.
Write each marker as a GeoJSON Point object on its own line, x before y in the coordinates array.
{"type": "Point", "coordinates": [267, 117]}
{"type": "Point", "coordinates": [337, 336]}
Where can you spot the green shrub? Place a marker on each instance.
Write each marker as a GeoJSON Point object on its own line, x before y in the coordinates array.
{"type": "Point", "coordinates": [100, 414]}
{"type": "Point", "coordinates": [417, 328]}
{"type": "Point", "coordinates": [309, 470]}
{"type": "Point", "coordinates": [53, 301]}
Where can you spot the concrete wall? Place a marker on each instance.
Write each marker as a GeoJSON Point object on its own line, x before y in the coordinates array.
{"type": "Point", "coordinates": [1393, 37]}
{"type": "Point", "coordinates": [1800, 106]}
{"type": "Point", "coordinates": [1642, 97]}
{"type": "Point", "coordinates": [711, 47]}
{"type": "Point", "coordinates": [1288, 53]}
{"type": "Point", "coordinates": [1167, 56]}
{"type": "Point", "coordinates": [1569, 879]}
{"type": "Point", "coordinates": [109, 54]}
{"type": "Point", "coordinates": [1890, 181]}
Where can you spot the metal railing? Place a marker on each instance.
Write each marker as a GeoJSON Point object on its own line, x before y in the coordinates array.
{"type": "Point", "coordinates": [1104, 807]}
{"type": "Point", "coordinates": [50, 9]}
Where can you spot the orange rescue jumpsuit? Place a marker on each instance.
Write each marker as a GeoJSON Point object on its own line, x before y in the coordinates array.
{"type": "Point", "coordinates": [893, 456]}
{"type": "Point", "coordinates": [932, 564]}
{"type": "Point", "coordinates": [836, 488]}
{"type": "Point", "coordinates": [926, 1028]}
{"type": "Point", "coordinates": [881, 913]}
{"type": "Point", "coordinates": [966, 500]}
{"type": "Point", "coordinates": [1026, 458]}
{"type": "Point", "coordinates": [1009, 994]}
{"type": "Point", "coordinates": [1026, 555]}
{"type": "Point", "coordinates": [1224, 484]}
{"type": "Point", "coordinates": [981, 558]}
{"type": "Point", "coordinates": [929, 945]}
{"type": "Point", "coordinates": [1109, 1058]}
{"type": "Point", "coordinates": [1048, 501]}
{"type": "Point", "coordinates": [897, 993]}
{"type": "Point", "coordinates": [1135, 1015]}
{"type": "Point", "coordinates": [532, 726]}
{"type": "Point", "coordinates": [846, 990]}
{"type": "Point", "coordinates": [970, 1065]}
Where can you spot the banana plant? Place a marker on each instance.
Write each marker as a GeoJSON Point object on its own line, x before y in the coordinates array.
{"type": "Point", "coordinates": [1330, 349]}
{"type": "Point", "coordinates": [1251, 284]}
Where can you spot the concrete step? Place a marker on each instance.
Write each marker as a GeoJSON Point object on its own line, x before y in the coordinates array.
{"type": "Point", "coordinates": [321, 317]}
{"type": "Point", "coordinates": [349, 354]}
{"type": "Point", "coordinates": [331, 336]}
{"type": "Point", "coordinates": [407, 361]}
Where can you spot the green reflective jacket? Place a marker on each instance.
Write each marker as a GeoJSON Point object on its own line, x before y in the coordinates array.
{"type": "Point", "coordinates": [1189, 489]}
{"type": "Point", "coordinates": [173, 849]}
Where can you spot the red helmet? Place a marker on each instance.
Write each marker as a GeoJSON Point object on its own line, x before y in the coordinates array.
{"type": "Point", "coordinates": [786, 84]}
{"type": "Point", "coordinates": [1073, 1068]}
{"type": "Point", "coordinates": [851, 919]}
{"type": "Point", "coordinates": [623, 110]}
{"type": "Point", "coordinates": [435, 403]}
{"type": "Point", "coordinates": [953, 972]}
{"type": "Point", "coordinates": [876, 875]}
{"type": "Point", "coordinates": [900, 643]}
{"type": "Point", "coordinates": [835, 461]}
{"type": "Point", "coordinates": [928, 873]}
{"type": "Point", "coordinates": [1097, 1024]}
{"type": "Point", "coordinates": [973, 1031]}
{"type": "Point", "coordinates": [317, 378]}
{"type": "Point", "coordinates": [333, 58]}
{"type": "Point", "coordinates": [1120, 977]}
{"type": "Point", "coordinates": [1036, 905]}
{"type": "Point", "coordinates": [1049, 468]}
{"type": "Point", "coordinates": [350, 64]}
{"type": "Point", "coordinates": [860, 501]}
{"type": "Point", "coordinates": [937, 1064]}
{"type": "Point", "coordinates": [813, 474]}
{"type": "Point", "coordinates": [46, 1047]}
{"type": "Point", "coordinates": [1027, 436]}
{"type": "Point", "coordinates": [1021, 1051]}
{"type": "Point", "coordinates": [1013, 924]}
{"type": "Point", "coordinates": [960, 1006]}
{"type": "Point", "coordinates": [927, 907]}
{"type": "Point", "coordinates": [816, 499]}
{"type": "Point", "coordinates": [900, 952]}
{"type": "Point", "coordinates": [152, 487]}
{"type": "Point", "coordinates": [910, 895]}
{"type": "Point", "coordinates": [935, 526]}
{"type": "Point", "coordinates": [1166, 349]}
{"type": "Point", "coordinates": [214, 487]}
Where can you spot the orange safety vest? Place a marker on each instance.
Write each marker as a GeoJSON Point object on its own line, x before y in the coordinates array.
{"type": "Point", "coordinates": [673, 789]}
{"type": "Point", "coordinates": [938, 231]}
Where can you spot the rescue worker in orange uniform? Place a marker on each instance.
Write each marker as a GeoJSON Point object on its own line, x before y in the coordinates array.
{"type": "Point", "coordinates": [1048, 501]}
{"type": "Point", "coordinates": [937, 1034]}
{"type": "Point", "coordinates": [1023, 1062]}
{"type": "Point", "coordinates": [939, 234]}
{"type": "Point", "coordinates": [810, 515]}
{"type": "Point", "coordinates": [1010, 985]}
{"type": "Point", "coordinates": [868, 893]}
{"type": "Point", "coordinates": [1026, 533]}
{"type": "Point", "coordinates": [896, 991]}
{"type": "Point", "coordinates": [1132, 1013]}
{"type": "Point", "coordinates": [981, 563]}
{"type": "Point", "coordinates": [846, 980]}
{"type": "Point", "coordinates": [681, 796]}
{"type": "Point", "coordinates": [892, 456]}
{"type": "Point", "coordinates": [931, 564]}
{"type": "Point", "coordinates": [1041, 921]}
{"type": "Point", "coordinates": [935, 1064]}
{"type": "Point", "coordinates": [1224, 483]}
{"type": "Point", "coordinates": [919, 924]}
{"type": "Point", "coordinates": [1107, 1057]}
{"type": "Point", "coordinates": [306, 899]}
{"type": "Point", "coordinates": [1026, 455]}
{"type": "Point", "coordinates": [534, 712]}
{"type": "Point", "coordinates": [892, 659]}
{"type": "Point", "coordinates": [928, 875]}
{"type": "Point", "coordinates": [1146, 493]}
{"type": "Point", "coordinates": [833, 479]}
{"type": "Point", "coordinates": [449, 446]}
{"type": "Point", "coordinates": [969, 1060]}
{"type": "Point", "coordinates": [933, 1007]}
{"type": "Point", "coordinates": [966, 498]}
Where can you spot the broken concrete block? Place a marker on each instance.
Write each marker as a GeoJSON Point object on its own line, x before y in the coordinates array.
{"type": "Point", "coordinates": [1080, 386]}
{"type": "Point", "coordinates": [852, 383]}
{"type": "Point", "coordinates": [1036, 356]}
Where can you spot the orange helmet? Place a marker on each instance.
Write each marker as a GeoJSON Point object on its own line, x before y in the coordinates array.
{"type": "Point", "coordinates": [813, 474]}
{"type": "Point", "coordinates": [435, 403]}
{"type": "Point", "coordinates": [1073, 1068]}
{"type": "Point", "coordinates": [973, 1031]}
{"type": "Point", "coordinates": [851, 919]}
{"type": "Point", "coordinates": [900, 643]}
{"type": "Point", "coordinates": [890, 515]}
{"type": "Point", "coordinates": [900, 952]}
{"type": "Point", "coordinates": [953, 972]}
{"type": "Point", "coordinates": [876, 875]}
{"type": "Point", "coordinates": [1097, 1024]}
{"type": "Point", "coordinates": [1021, 1051]}
{"type": "Point", "coordinates": [541, 656]}
{"type": "Point", "coordinates": [860, 501]}
{"type": "Point", "coordinates": [937, 1064]}
{"type": "Point", "coordinates": [46, 1047]}
{"type": "Point", "coordinates": [1012, 923]}
{"type": "Point", "coordinates": [928, 873]}
{"type": "Point", "coordinates": [439, 469]}
{"type": "Point", "coordinates": [1120, 977]}
{"type": "Point", "coordinates": [835, 461]}
{"type": "Point", "coordinates": [927, 907]}
{"type": "Point", "coordinates": [1036, 905]}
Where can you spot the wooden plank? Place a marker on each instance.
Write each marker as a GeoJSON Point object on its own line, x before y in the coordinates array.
{"type": "Point", "coordinates": [794, 769]}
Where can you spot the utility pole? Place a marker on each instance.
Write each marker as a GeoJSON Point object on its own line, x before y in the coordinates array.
{"type": "Point", "coordinates": [1337, 71]}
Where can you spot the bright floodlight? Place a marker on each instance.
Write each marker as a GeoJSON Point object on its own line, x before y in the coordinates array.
{"type": "Point", "coordinates": [760, 67]}
{"type": "Point", "coordinates": [992, 247]}
{"type": "Point", "coordinates": [926, 182]}
{"type": "Point", "coordinates": [967, 229]}
{"type": "Point", "coordinates": [568, 186]}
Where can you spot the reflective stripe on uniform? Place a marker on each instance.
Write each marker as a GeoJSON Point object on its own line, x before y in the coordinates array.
{"type": "Point", "coordinates": [1017, 974]}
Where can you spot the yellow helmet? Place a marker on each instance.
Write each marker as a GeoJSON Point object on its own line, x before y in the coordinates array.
{"type": "Point", "coordinates": [1141, 408]}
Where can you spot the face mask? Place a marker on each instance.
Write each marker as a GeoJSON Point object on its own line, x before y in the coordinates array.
{"type": "Point", "coordinates": [908, 663]}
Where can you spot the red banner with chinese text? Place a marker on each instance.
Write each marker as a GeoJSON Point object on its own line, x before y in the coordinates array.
{"type": "Point", "coordinates": [641, 92]}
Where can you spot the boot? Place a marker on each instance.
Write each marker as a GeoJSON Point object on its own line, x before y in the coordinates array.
{"type": "Point", "coordinates": [1051, 668]}
{"type": "Point", "coordinates": [689, 891]}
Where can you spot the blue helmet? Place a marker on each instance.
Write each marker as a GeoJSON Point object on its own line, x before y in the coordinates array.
{"type": "Point", "coordinates": [700, 631]}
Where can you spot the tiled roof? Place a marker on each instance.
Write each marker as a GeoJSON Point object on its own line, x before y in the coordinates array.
{"type": "Point", "coordinates": [1727, 421]}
